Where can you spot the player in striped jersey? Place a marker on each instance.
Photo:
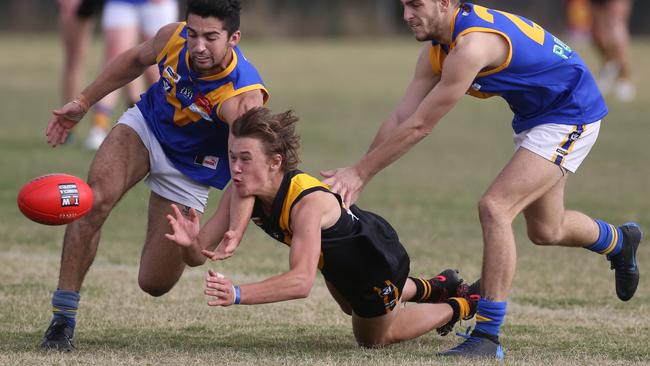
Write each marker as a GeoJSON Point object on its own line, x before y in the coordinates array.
{"type": "Point", "coordinates": [359, 254]}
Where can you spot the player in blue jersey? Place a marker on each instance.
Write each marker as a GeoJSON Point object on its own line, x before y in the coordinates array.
{"type": "Point", "coordinates": [557, 111]}
{"type": "Point", "coordinates": [126, 23]}
{"type": "Point", "coordinates": [176, 136]}
{"type": "Point", "coordinates": [358, 252]}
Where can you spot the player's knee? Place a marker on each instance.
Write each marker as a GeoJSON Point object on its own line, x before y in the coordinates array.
{"type": "Point", "coordinates": [545, 236]}
{"type": "Point", "coordinates": [103, 202]}
{"type": "Point", "coordinates": [491, 211]}
{"type": "Point", "coordinates": [153, 289]}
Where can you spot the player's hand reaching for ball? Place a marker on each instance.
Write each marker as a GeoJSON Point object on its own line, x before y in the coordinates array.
{"type": "Point", "coordinates": [219, 289]}
{"type": "Point", "coordinates": [64, 119]}
{"type": "Point", "coordinates": [184, 231]}
{"type": "Point", "coordinates": [226, 247]}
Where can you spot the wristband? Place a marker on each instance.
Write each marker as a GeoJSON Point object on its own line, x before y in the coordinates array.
{"type": "Point", "coordinates": [82, 101]}
{"type": "Point", "coordinates": [237, 291]}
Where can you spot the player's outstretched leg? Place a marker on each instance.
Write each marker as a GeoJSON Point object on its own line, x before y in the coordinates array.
{"type": "Point", "coordinates": [624, 263]}
{"type": "Point", "coordinates": [437, 289]}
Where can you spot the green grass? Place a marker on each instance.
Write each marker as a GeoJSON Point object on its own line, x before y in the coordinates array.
{"type": "Point", "coordinates": [562, 310]}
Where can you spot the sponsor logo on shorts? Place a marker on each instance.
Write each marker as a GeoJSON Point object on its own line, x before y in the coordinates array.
{"type": "Point", "coordinates": [389, 294]}
{"type": "Point", "coordinates": [69, 194]}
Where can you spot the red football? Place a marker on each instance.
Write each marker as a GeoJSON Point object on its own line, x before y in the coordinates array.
{"type": "Point", "coordinates": [55, 199]}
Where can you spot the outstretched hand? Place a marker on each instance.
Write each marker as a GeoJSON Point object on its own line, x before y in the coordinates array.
{"type": "Point", "coordinates": [226, 247]}
{"type": "Point", "coordinates": [184, 231]}
{"type": "Point", "coordinates": [219, 289]}
{"type": "Point", "coordinates": [63, 120]}
{"type": "Point", "coordinates": [346, 182]}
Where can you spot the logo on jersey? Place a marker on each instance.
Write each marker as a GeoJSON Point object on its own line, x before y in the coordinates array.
{"type": "Point", "coordinates": [207, 161]}
{"type": "Point", "coordinates": [169, 72]}
{"type": "Point", "coordinates": [476, 86]}
{"type": "Point", "coordinates": [354, 218]}
{"type": "Point", "coordinates": [167, 85]}
{"type": "Point", "coordinates": [187, 92]}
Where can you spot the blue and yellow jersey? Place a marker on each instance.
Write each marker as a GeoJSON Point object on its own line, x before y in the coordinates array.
{"type": "Point", "coordinates": [183, 110]}
{"type": "Point", "coordinates": [543, 80]}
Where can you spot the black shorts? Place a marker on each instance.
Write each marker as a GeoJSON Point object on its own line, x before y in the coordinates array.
{"type": "Point", "coordinates": [369, 267]}
{"type": "Point", "coordinates": [88, 8]}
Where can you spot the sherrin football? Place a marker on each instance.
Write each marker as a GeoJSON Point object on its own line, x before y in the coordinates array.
{"type": "Point", "coordinates": [55, 199]}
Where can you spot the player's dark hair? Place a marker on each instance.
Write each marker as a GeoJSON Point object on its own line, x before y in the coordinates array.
{"type": "Point", "coordinates": [277, 132]}
{"type": "Point", "coordinates": [225, 10]}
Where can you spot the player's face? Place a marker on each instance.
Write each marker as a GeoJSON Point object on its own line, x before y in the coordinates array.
{"type": "Point", "coordinates": [252, 170]}
{"type": "Point", "coordinates": [209, 44]}
{"type": "Point", "coordinates": [424, 17]}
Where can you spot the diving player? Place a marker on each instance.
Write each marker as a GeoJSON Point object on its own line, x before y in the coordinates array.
{"type": "Point", "coordinates": [359, 254]}
{"type": "Point", "coordinates": [557, 115]}
{"type": "Point", "coordinates": [176, 136]}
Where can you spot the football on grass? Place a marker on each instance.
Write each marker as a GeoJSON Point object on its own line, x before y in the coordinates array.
{"type": "Point", "coordinates": [55, 199]}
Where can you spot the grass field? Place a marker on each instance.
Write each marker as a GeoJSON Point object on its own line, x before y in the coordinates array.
{"type": "Point", "coordinates": [562, 309]}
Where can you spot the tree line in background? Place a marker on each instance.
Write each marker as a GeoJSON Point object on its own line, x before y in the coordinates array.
{"type": "Point", "coordinates": [291, 18]}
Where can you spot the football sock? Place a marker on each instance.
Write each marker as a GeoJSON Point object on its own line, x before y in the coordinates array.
{"type": "Point", "coordinates": [102, 116]}
{"type": "Point", "coordinates": [64, 305]}
{"type": "Point", "coordinates": [610, 239]}
{"type": "Point", "coordinates": [489, 317]}
{"type": "Point", "coordinates": [423, 290]}
{"type": "Point", "coordinates": [460, 306]}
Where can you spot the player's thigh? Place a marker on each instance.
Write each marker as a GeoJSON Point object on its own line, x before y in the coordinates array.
{"type": "Point", "coordinates": [121, 161]}
{"type": "Point", "coordinates": [161, 264]}
{"type": "Point", "coordinates": [373, 332]}
{"type": "Point", "coordinates": [544, 216]}
{"type": "Point", "coordinates": [525, 178]}
{"type": "Point", "coordinates": [338, 297]}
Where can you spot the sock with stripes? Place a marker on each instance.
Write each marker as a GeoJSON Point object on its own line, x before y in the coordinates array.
{"type": "Point", "coordinates": [489, 318]}
{"type": "Point", "coordinates": [64, 306]}
{"type": "Point", "coordinates": [610, 239]}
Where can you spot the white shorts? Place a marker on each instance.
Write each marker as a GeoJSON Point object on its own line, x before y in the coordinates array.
{"type": "Point", "coordinates": [564, 145]}
{"type": "Point", "coordinates": [148, 17]}
{"type": "Point", "coordinates": [164, 178]}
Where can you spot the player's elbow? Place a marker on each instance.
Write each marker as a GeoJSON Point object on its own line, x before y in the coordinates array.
{"type": "Point", "coordinates": [302, 286]}
{"type": "Point", "coordinates": [420, 129]}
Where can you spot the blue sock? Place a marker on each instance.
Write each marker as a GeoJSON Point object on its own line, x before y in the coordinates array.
{"type": "Point", "coordinates": [610, 239]}
{"type": "Point", "coordinates": [64, 306]}
{"type": "Point", "coordinates": [489, 316]}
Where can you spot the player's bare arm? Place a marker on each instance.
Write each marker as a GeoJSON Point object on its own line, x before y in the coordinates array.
{"type": "Point", "coordinates": [423, 81]}
{"type": "Point", "coordinates": [307, 218]}
{"type": "Point", "coordinates": [240, 207]}
{"type": "Point", "coordinates": [124, 69]}
{"type": "Point", "coordinates": [472, 53]}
